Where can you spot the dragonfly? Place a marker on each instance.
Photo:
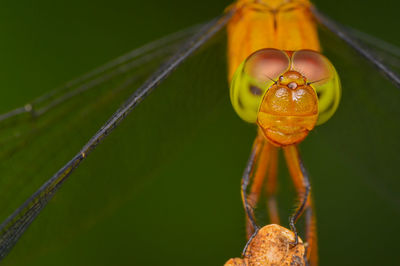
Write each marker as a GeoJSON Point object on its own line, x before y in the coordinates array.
{"type": "Point", "coordinates": [44, 167]}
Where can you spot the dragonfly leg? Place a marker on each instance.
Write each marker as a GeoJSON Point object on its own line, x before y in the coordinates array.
{"type": "Point", "coordinates": [265, 168]}
{"type": "Point", "coordinates": [311, 235]}
{"type": "Point", "coordinates": [248, 172]}
{"type": "Point", "coordinates": [303, 187]}
{"type": "Point", "coordinates": [258, 176]}
{"type": "Point", "coordinates": [300, 181]}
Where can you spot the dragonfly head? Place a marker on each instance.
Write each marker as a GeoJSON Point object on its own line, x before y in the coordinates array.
{"type": "Point", "coordinates": [286, 93]}
{"type": "Point", "coordinates": [289, 110]}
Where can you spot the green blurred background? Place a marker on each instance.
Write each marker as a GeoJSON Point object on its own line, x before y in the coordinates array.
{"type": "Point", "coordinates": [163, 189]}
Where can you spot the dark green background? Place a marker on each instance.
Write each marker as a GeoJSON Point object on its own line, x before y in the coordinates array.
{"type": "Point", "coordinates": [163, 189]}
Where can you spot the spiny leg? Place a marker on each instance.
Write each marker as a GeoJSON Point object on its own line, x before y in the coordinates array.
{"type": "Point", "coordinates": [265, 167]}
{"type": "Point", "coordinates": [254, 155]}
{"type": "Point", "coordinates": [300, 179]}
{"type": "Point", "coordinates": [257, 175]}
{"type": "Point", "coordinates": [301, 182]}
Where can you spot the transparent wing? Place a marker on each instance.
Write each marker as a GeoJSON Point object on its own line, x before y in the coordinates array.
{"type": "Point", "coordinates": [110, 70]}
{"type": "Point", "coordinates": [27, 124]}
{"type": "Point", "coordinates": [351, 40]}
{"type": "Point", "coordinates": [386, 52]}
{"type": "Point", "coordinates": [112, 77]}
{"type": "Point", "coordinates": [13, 227]}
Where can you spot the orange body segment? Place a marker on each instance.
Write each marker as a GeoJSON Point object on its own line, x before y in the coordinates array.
{"type": "Point", "coordinates": [280, 24]}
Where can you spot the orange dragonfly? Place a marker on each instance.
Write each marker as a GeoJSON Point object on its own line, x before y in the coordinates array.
{"type": "Point", "coordinates": [281, 83]}
{"type": "Point", "coordinates": [13, 235]}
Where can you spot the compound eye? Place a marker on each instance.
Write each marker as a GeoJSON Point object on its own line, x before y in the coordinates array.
{"type": "Point", "coordinates": [322, 77]}
{"type": "Point", "coordinates": [253, 78]}
{"type": "Point", "coordinates": [266, 65]}
{"type": "Point", "coordinates": [312, 65]}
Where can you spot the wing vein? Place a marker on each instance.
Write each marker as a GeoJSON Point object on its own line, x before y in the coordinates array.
{"type": "Point", "coordinates": [343, 34]}
{"type": "Point", "coordinates": [153, 48]}
{"type": "Point", "coordinates": [14, 226]}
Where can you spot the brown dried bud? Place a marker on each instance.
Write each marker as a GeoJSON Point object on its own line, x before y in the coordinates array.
{"type": "Point", "coordinates": [272, 247]}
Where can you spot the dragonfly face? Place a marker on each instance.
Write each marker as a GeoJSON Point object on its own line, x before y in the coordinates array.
{"type": "Point", "coordinates": [289, 110]}
{"type": "Point", "coordinates": [285, 93]}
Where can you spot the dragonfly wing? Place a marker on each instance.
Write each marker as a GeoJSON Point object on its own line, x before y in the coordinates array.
{"type": "Point", "coordinates": [13, 227]}
{"type": "Point", "coordinates": [386, 52]}
{"type": "Point", "coordinates": [347, 37]}
{"type": "Point", "coordinates": [123, 64]}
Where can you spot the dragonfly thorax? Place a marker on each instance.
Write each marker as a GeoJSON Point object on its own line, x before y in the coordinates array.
{"type": "Point", "coordinates": [289, 110]}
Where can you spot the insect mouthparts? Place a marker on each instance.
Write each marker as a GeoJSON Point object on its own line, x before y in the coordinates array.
{"type": "Point", "coordinates": [292, 85]}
